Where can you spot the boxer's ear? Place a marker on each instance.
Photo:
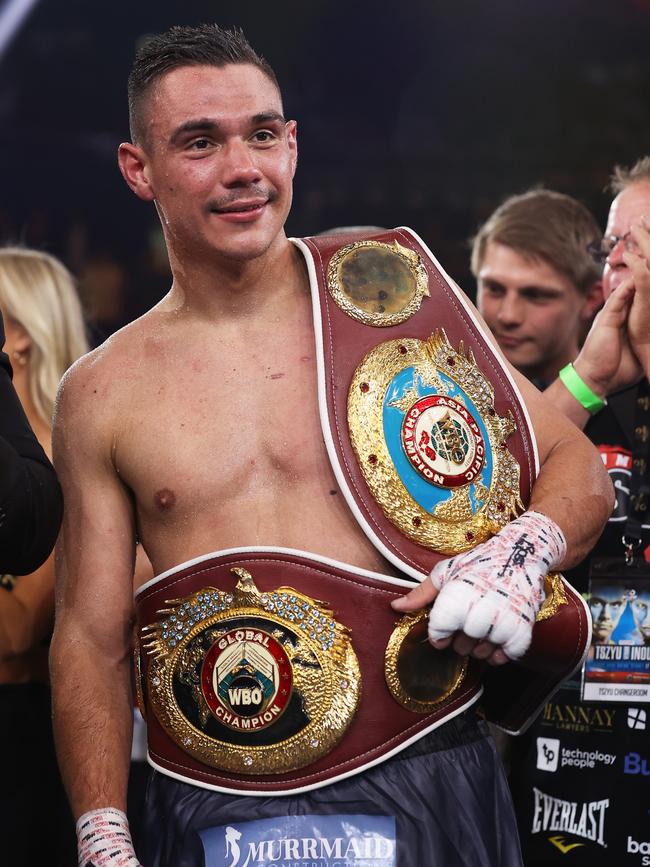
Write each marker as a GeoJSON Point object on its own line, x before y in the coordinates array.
{"type": "Point", "coordinates": [292, 140]}
{"type": "Point", "coordinates": [132, 161]}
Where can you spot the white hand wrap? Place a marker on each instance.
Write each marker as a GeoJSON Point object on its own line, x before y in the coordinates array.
{"type": "Point", "coordinates": [104, 839]}
{"type": "Point", "coordinates": [495, 591]}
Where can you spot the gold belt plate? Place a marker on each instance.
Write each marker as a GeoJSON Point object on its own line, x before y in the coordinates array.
{"type": "Point", "coordinates": [418, 676]}
{"type": "Point", "coordinates": [376, 283]}
{"type": "Point", "coordinates": [430, 444]}
{"type": "Point", "coordinates": [252, 683]}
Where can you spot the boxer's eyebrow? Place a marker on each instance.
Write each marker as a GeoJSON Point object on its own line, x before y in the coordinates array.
{"type": "Point", "coordinates": [211, 124]}
{"type": "Point", "coordinates": [202, 124]}
{"type": "Point", "coordinates": [266, 116]}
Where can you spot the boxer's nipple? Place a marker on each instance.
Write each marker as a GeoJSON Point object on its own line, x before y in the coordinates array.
{"type": "Point", "coordinates": [164, 499]}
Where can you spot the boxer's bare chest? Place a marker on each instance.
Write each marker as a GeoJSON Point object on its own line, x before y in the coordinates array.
{"type": "Point", "coordinates": [220, 418]}
{"type": "Point", "coordinates": [223, 446]}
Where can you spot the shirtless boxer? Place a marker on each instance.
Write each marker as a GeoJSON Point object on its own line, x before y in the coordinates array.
{"type": "Point", "coordinates": [180, 430]}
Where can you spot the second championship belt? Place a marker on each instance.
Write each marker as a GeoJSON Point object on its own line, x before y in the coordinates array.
{"type": "Point", "coordinates": [428, 435]}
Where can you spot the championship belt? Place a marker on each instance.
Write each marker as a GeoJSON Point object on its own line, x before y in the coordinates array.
{"type": "Point", "coordinates": [274, 671]}
{"type": "Point", "coordinates": [428, 435]}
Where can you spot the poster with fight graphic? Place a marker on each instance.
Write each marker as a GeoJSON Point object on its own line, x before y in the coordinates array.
{"type": "Point", "coordinates": [617, 667]}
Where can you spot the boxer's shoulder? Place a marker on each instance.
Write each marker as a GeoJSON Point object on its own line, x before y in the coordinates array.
{"type": "Point", "coordinates": [115, 362]}
{"type": "Point", "coordinates": [93, 392]}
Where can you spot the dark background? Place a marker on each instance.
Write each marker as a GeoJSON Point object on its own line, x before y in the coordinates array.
{"type": "Point", "coordinates": [417, 112]}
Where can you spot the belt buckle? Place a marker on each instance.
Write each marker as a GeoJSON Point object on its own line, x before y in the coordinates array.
{"type": "Point", "coordinates": [251, 683]}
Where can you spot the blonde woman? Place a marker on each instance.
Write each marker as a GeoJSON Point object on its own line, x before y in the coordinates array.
{"type": "Point", "coordinates": [44, 333]}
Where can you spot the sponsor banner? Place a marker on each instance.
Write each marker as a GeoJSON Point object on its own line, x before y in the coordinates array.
{"type": "Point", "coordinates": [641, 848]}
{"type": "Point", "coordinates": [584, 820]}
{"type": "Point", "coordinates": [636, 718]}
{"type": "Point", "coordinates": [570, 716]}
{"type": "Point", "coordinates": [303, 841]}
{"type": "Point", "coordinates": [551, 755]}
{"type": "Point", "coordinates": [615, 692]}
{"type": "Point", "coordinates": [634, 763]}
{"type": "Point", "coordinates": [582, 759]}
{"type": "Point", "coordinates": [548, 751]}
{"type": "Point", "coordinates": [617, 668]}
{"type": "Point", "coordinates": [618, 463]}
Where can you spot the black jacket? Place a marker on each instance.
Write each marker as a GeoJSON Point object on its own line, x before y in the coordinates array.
{"type": "Point", "coordinates": [31, 503]}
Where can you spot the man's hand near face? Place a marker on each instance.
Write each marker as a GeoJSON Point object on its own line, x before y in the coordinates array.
{"type": "Point", "coordinates": [638, 325]}
{"type": "Point", "coordinates": [607, 362]}
{"type": "Point", "coordinates": [612, 355]}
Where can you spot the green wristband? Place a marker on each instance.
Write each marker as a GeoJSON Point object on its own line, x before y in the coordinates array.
{"type": "Point", "coordinates": [576, 386]}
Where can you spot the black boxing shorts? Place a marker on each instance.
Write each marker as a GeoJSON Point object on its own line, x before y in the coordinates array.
{"type": "Point", "coordinates": [442, 802]}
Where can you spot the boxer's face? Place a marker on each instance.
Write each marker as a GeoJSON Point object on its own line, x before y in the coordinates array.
{"type": "Point", "coordinates": [219, 160]}
{"type": "Point", "coordinates": [641, 612]}
{"type": "Point", "coordinates": [534, 311]}
{"type": "Point", "coordinates": [606, 611]}
{"type": "Point", "coordinates": [627, 208]}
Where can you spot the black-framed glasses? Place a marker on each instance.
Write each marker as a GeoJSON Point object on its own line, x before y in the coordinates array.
{"type": "Point", "coordinates": [600, 250]}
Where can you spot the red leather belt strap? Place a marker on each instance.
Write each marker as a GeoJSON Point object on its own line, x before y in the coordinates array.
{"type": "Point", "coordinates": [345, 341]}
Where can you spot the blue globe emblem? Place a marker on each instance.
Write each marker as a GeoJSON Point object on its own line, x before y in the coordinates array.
{"type": "Point", "coordinates": [436, 439]}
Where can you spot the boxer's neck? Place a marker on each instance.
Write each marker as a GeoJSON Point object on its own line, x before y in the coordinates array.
{"type": "Point", "coordinates": [234, 289]}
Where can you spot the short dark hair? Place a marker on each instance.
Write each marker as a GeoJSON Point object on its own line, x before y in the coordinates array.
{"type": "Point", "coordinates": [203, 45]}
{"type": "Point", "coordinates": [544, 224]}
{"type": "Point", "coordinates": [623, 177]}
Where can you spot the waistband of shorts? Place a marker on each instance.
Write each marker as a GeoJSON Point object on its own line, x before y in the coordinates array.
{"type": "Point", "coordinates": [466, 728]}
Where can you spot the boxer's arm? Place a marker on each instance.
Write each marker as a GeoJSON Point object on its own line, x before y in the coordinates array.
{"type": "Point", "coordinates": [573, 487]}
{"type": "Point", "coordinates": [92, 703]}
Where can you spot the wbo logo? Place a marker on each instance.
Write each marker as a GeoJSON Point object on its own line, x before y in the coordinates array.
{"type": "Point", "coordinates": [283, 841]}
{"type": "Point", "coordinates": [443, 441]}
{"type": "Point", "coordinates": [437, 439]}
{"type": "Point", "coordinates": [247, 679]}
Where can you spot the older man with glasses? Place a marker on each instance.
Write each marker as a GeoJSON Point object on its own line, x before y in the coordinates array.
{"type": "Point", "coordinates": [590, 803]}
{"type": "Point", "coordinates": [616, 354]}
